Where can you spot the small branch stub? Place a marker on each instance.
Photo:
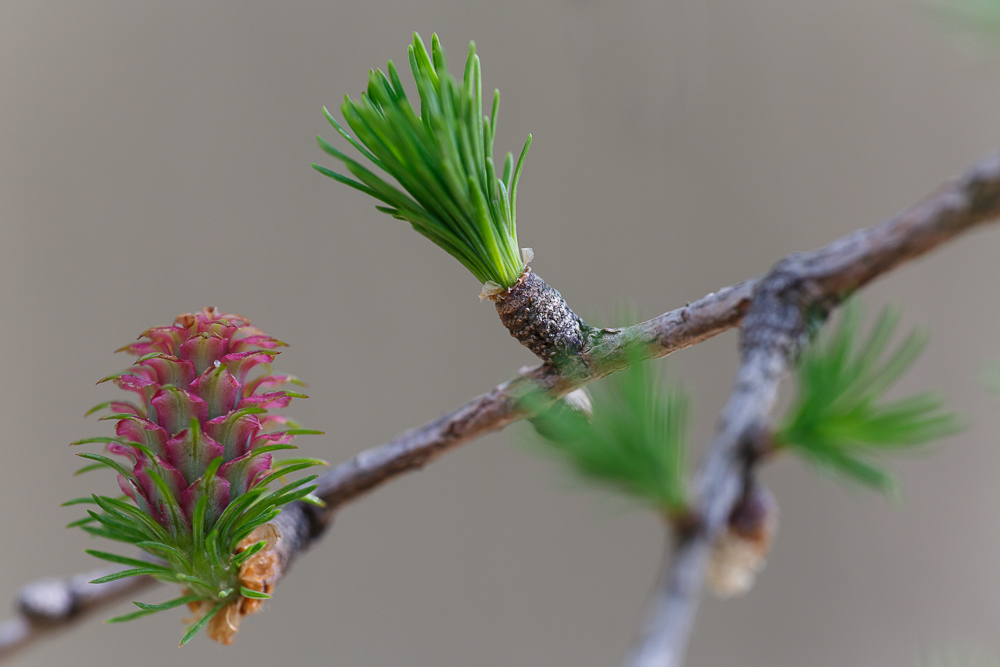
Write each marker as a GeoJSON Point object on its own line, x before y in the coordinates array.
{"type": "Point", "coordinates": [541, 320]}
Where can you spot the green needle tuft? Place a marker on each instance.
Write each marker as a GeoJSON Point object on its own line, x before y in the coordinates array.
{"type": "Point", "coordinates": [442, 158]}
{"type": "Point", "coordinates": [840, 420]}
{"type": "Point", "coordinates": [635, 440]}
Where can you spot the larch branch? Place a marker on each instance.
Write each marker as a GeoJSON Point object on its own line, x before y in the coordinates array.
{"type": "Point", "coordinates": [772, 310]}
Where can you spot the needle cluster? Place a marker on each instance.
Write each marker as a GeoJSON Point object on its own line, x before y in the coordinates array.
{"type": "Point", "coordinates": [634, 441]}
{"type": "Point", "coordinates": [840, 419]}
{"type": "Point", "coordinates": [452, 192]}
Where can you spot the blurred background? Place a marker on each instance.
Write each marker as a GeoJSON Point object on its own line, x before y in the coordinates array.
{"type": "Point", "coordinates": [154, 158]}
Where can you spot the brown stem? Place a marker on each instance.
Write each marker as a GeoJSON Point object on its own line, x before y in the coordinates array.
{"type": "Point", "coordinates": [772, 310]}
{"type": "Point", "coordinates": [47, 605]}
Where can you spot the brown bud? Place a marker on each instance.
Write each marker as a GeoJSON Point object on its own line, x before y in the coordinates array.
{"type": "Point", "coordinates": [258, 573]}
{"type": "Point", "coordinates": [740, 553]}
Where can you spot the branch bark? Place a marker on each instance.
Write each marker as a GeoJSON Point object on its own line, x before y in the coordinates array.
{"type": "Point", "coordinates": [47, 605]}
{"type": "Point", "coordinates": [772, 309]}
{"type": "Point", "coordinates": [663, 335]}
{"type": "Point", "coordinates": [771, 335]}
{"type": "Point", "coordinates": [300, 524]}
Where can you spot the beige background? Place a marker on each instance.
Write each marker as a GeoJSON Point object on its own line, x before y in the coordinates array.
{"type": "Point", "coordinates": [154, 158]}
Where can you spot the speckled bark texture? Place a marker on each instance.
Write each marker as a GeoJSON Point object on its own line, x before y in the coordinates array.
{"type": "Point", "coordinates": [538, 317]}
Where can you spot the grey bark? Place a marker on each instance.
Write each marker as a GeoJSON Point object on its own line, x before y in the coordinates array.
{"type": "Point", "coordinates": [801, 286]}
{"type": "Point", "coordinates": [773, 310]}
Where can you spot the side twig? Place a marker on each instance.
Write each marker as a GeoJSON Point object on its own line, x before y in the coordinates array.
{"type": "Point", "coordinates": [772, 333]}
{"type": "Point", "coordinates": [772, 309]}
